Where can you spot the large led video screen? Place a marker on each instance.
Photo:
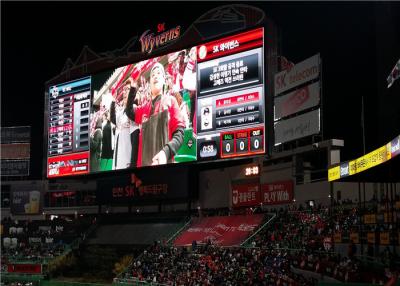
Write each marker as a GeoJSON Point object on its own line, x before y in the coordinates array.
{"type": "Point", "coordinates": [197, 104]}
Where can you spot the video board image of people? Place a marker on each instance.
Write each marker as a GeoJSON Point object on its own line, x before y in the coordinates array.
{"type": "Point", "coordinates": [142, 114]}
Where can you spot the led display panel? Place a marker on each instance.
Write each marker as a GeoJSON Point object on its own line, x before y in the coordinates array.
{"type": "Point", "coordinates": [197, 104]}
{"type": "Point", "coordinates": [230, 109]}
{"type": "Point", "coordinates": [142, 113]}
{"type": "Point", "coordinates": [68, 125]}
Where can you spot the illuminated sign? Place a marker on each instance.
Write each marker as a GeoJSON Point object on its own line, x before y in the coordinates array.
{"type": "Point", "coordinates": [150, 41]}
{"type": "Point", "coordinates": [215, 96]}
{"type": "Point", "coordinates": [68, 128]}
{"type": "Point", "coordinates": [370, 160]}
{"type": "Point", "coordinates": [252, 171]}
{"type": "Point", "coordinates": [230, 86]}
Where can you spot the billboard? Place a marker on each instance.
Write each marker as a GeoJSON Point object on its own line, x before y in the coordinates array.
{"type": "Point", "coordinates": [296, 101]}
{"type": "Point", "coordinates": [300, 73]}
{"type": "Point", "coordinates": [15, 134]}
{"type": "Point", "coordinates": [15, 150]}
{"type": "Point", "coordinates": [160, 184]}
{"type": "Point", "coordinates": [370, 160]}
{"type": "Point", "coordinates": [245, 194]}
{"type": "Point", "coordinates": [277, 193]}
{"type": "Point", "coordinates": [14, 167]}
{"type": "Point", "coordinates": [205, 102]}
{"type": "Point", "coordinates": [26, 199]}
{"type": "Point", "coordinates": [297, 127]}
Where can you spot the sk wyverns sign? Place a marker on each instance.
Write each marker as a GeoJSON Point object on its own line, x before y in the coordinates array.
{"type": "Point", "coordinates": [150, 41]}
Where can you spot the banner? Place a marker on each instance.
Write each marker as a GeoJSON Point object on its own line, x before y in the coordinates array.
{"type": "Point", "coordinates": [296, 101]}
{"type": "Point", "coordinates": [245, 194]}
{"type": "Point", "coordinates": [16, 134]}
{"type": "Point", "coordinates": [300, 126]}
{"type": "Point", "coordinates": [302, 72]}
{"type": "Point", "coordinates": [277, 193]}
{"type": "Point", "coordinates": [394, 74]}
{"type": "Point", "coordinates": [26, 199]}
{"type": "Point", "coordinates": [395, 147]}
{"type": "Point", "coordinates": [15, 151]}
{"type": "Point", "coordinates": [24, 268]}
{"type": "Point", "coordinates": [14, 168]}
{"type": "Point", "coordinates": [370, 160]}
{"type": "Point", "coordinates": [222, 230]}
{"type": "Point", "coordinates": [159, 184]}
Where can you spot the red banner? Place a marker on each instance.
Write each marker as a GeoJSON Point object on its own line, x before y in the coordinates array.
{"type": "Point", "coordinates": [71, 164]}
{"type": "Point", "coordinates": [246, 195]}
{"type": "Point", "coordinates": [277, 193]}
{"type": "Point", "coordinates": [230, 45]}
{"type": "Point", "coordinates": [24, 268]}
{"type": "Point", "coordinates": [222, 230]}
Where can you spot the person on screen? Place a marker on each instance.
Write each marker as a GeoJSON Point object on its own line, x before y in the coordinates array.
{"type": "Point", "coordinates": [106, 146]}
{"type": "Point", "coordinates": [162, 124]}
{"type": "Point", "coordinates": [95, 147]}
{"type": "Point", "coordinates": [127, 131]}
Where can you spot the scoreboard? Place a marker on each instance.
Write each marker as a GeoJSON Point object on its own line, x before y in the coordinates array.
{"type": "Point", "coordinates": [68, 129]}
{"type": "Point", "coordinates": [230, 110]}
{"type": "Point", "coordinates": [219, 87]}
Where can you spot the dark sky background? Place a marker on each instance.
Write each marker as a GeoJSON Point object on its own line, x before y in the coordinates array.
{"type": "Point", "coordinates": [359, 45]}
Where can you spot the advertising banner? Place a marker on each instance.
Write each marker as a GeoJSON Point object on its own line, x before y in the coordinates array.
{"type": "Point", "coordinates": [277, 193]}
{"type": "Point", "coordinates": [300, 73]}
{"type": "Point", "coordinates": [372, 159]}
{"type": "Point", "coordinates": [245, 194]}
{"type": "Point", "coordinates": [26, 199]}
{"type": "Point", "coordinates": [15, 151]}
{"type": "Point", "coordinates": [222, 231]}
{"type": "Point", "coordinates": [296, 101]}
{"type": "Point", "coordinates": [24, 268]}
{"type": "Point", "coordinates": [294, 128]}
{"type": "Point", "coordinates": [14, 168]}
{"type": "Point", "coordinates": [395, 147]}
{"type": "Point", "coordinates": [16, 134]}
{"type": "Point", "coordinates": [171, 183]}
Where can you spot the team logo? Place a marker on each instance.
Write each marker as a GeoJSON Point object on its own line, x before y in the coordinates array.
{"type": "Point", "coordinates": [149, 41]}
{"type": "Point", "coordinates": [54, 91]}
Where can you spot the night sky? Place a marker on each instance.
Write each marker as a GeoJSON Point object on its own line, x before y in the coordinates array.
{"type": "Point", "coordinates": [359, 44]}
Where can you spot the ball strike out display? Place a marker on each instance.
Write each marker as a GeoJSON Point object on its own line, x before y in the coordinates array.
{"type": "Point", "coordinates": [230, 106]}
{"type": "Point", "coordinates": [201, 103]}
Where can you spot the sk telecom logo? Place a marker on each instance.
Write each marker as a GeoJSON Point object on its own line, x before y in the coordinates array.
{"type": "Point", "coordinates": [150, 41]}
{"type": "Point", "coordinates": [135, 181]}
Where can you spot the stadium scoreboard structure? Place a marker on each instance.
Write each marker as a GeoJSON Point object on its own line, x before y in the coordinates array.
{"type": "Point", "coordinates": [219, 86]}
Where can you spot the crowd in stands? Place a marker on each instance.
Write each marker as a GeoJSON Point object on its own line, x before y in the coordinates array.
{"type": "Point", "coordinates": [296, 239]}
{"type": "Point", "coordinates": [41, 239]}
{"type": "Point", "coordinates": [213, 265]}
